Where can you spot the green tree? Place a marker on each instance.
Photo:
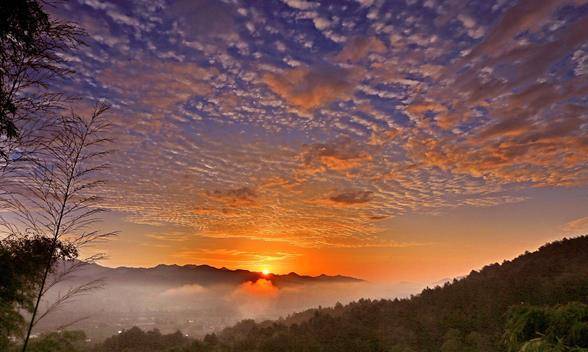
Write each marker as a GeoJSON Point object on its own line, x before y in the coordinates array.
{"type": "Point", "coordinates": [48, 160]}
{"type": "Point", "coordinates": [453, 341]}
{"type": "Point", "coordinates": [137, 340]}
{"type": "Point", "coordinates": [66, 341]}
{"type": "Point", "coordinates": [22, 262]}
{"type": "Point", "coordinates": [29, 42]}
{"type": "Point", "coordinates": [548, 329]}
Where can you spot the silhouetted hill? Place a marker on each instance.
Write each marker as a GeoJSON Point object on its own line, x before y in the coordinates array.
{"type": "Point", "coordinates": [468, 314]}
{"type": "Point", "coordinates": [203, 275]}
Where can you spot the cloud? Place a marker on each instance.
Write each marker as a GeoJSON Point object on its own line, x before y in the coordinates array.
{"type": "Point", "coordinates": [418, 110]}
{"type": "Point", "coordinates": [235, 257]}
{"type": "Point", "coordinates": [339, 155]}
{"type": "Point", "coordinates": [577, 226]}
{"type": "Point", "coordinates": [508, 115]}
{"type": "Point", "coordinates": [471, 26]}
{"type": "Point", "coordinates": [169, 237]}
{"type": "Point", "coordinates": [157, 85]}
{"type": "Point", "coordinates": [352, 197]}
{"type": "Point", "coordinates": [359, 47]}
{"type": "Point", "coordinates": [255, 298]}
{"type": "Point", "coordinates": [183, 291]}
{"type": "Point", "coordinates": [259, 288]}
{"type": "Point", "coordinates": [262, 300]}
{"type": "Point", "coordinates": [312, 87]}
{"type": "Point", "coordinates": [412, 110]}
{"type": "Point", "coordinates": [300, 4]}
{"type": "Point", "coordinates": [494, 200]}
{"type": "Point", "coordinates": [526, 15]}
{"type": "Point", "coordinates": [235, 197]}
{"type": "Point", "coordinates": [202, 19]}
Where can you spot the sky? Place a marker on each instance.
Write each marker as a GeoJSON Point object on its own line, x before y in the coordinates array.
{"type": "Point", "coordinates": [401, 140]}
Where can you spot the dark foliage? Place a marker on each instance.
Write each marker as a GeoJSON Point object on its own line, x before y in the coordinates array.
{"type": "Point", "coordinates": [45, 163]}
{"type": "Point", "coordinates": [66, 341]}
{"type": "Point", "coordinates": [559, 328]}
{"type": "Point", "coordinates": [22, 264]}
{"type": "Point", "coordinates": [29, 43]}
{"type": "Point", "coordinates": [137, 340]}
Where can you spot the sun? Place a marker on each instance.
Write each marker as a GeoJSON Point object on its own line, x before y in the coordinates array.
{"type": "Point", "coordinates": [265, 271]}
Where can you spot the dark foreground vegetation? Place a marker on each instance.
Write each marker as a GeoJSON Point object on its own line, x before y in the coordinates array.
{"type": "Point", "coordinates": [536, 302]}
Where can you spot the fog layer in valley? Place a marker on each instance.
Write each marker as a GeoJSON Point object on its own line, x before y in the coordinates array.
{"type": "Point", "coordinates": [201, 299]}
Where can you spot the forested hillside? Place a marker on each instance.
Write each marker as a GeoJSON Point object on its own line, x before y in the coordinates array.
{"type": "Point", "coordinates": [536, 302]}
{"type": "Point", "coordinates": [466, 315]}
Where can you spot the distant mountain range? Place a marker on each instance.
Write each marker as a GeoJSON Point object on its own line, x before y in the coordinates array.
{"type": "Point", "coordinates": [203, 275]}
{"type": "Point", "coordinates": [196, 299]}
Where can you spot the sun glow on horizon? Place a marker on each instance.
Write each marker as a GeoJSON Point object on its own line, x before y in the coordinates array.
{"type": "Point", "coordinates": [307, 149]}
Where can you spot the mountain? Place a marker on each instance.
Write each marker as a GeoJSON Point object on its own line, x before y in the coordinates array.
{"type": "Point", "coordinates": [196, 299]}
{"type": "Point", "coordinates": [203, 275]}
{"type": "Point", "coordinates": [468, 314]}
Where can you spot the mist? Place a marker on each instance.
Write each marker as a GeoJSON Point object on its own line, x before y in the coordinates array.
{"type": "Point", "coordinates": [197, 308]}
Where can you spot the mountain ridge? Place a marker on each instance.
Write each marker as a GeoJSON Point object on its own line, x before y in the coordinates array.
{"type": "Point", "coordinates": [202, 274]}
{"type": "Point", "coordinates": [194, 298]}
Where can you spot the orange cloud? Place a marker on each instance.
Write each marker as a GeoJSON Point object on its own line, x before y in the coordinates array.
{"type": "Point", "coordinates": [312, 87]}
{"type": "Point", "coordinates": [352, 197]}
{"type": "Point", "coordinates": [347, 199]}
{"type": "Point", "coordinates": [238, 258]}
{"type": "Point", "coordinates": [577, 226]}
{"type": "Point", "coordinates": [534, 123]}
{"type": "Point", "coordinates": [338, 155]}
{"type": "Point", "coordinates": [418, 110]}
{"type": "Point", "coordinates": [235, 197]}
{"type": "Point", "coordinates": [358, 48]}
{"type": "Point", "coordinates": [261, 287]}
{"type": "Point", "coordinates": [526, 15]}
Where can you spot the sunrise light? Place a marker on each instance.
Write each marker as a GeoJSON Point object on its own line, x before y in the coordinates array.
{"type": "Point", "coordinates": [300, 175]}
